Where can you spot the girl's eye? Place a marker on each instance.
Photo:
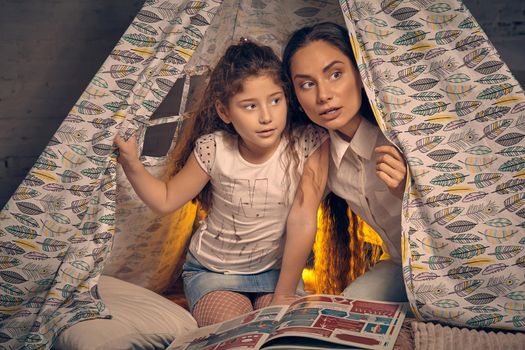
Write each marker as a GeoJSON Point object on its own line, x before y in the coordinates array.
{"type": "Point", "coordinates": [276, 101]}
{"type": "Point", "coordinates": [250, 107]}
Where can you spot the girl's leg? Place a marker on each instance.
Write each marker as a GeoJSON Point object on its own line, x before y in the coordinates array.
{"type": "Point", "coordinates": [262, 300]}
{"type": "Point", "coordinates": [219, 306]}
{"type": "Point", "coordinates": [383, 282]}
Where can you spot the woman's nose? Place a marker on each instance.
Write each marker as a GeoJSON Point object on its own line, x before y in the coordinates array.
{"type": "Point", "coordinates": [324, 94]}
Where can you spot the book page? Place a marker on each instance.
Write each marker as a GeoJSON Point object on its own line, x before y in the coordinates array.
{"type": "Point", "coordinates": [245, 332]}
{"type": "Point", "coordinates": [356, 323]}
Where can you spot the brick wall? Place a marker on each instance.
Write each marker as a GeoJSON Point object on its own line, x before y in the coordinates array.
{"type": "Point", "coordinates": [51, 49]}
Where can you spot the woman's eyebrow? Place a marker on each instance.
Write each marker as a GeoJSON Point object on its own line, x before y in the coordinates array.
{"type": "Point", "coordinates": [330, 65]}
{"type": "Point", "coordinates": [325, 69]}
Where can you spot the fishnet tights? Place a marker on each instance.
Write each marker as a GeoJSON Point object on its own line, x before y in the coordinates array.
{"type": "Point", "coordinates": [220, 306]}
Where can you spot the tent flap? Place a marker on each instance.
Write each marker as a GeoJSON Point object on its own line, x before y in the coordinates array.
{"type": "Point", "coordinates": [445, 98]}
{"type": "Point", "coordinates": [57, 229]}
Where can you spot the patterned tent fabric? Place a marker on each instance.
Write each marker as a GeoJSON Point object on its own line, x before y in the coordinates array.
{"type": "Point", "coordinates": [268, 22]}
{"type": "Point", "coordinates": [444, 96]}
{"type": "Point", "coordinates": [441, 93]}
{"type": "Point", "coordinates": [147, 249]}
{"type": "Point", "coordinates": [56, 230]}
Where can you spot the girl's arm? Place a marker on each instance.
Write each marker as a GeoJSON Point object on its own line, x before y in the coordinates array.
{"type": "Point", "coordinates": [391, 169]}
{"type": "Point", "coordinates": [301, 225]}
{"type": "Point", "coordinates": [162, 197]}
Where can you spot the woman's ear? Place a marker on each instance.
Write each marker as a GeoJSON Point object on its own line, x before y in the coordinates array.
{"type": "Point", "coordinates": [222, 111]}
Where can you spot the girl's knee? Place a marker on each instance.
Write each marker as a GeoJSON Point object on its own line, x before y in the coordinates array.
{"type": "Point", "coordinates": [220, 306]}
{"type": "Point", "coordinates": [262, 300]}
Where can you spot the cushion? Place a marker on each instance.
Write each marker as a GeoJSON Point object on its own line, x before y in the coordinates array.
{"type": "Point", "coordinates": [141, 319]}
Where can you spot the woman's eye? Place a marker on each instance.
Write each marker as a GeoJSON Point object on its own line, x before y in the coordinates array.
{"type": "Point", "coordinates": [307, 85]}
{"type": "Point", "coordinates": [337, 74]}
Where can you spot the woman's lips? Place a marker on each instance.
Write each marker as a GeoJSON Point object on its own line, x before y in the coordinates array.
{"type": "Point", "coordinates": [330, 113]}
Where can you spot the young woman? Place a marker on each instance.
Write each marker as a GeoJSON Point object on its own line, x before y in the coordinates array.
{"type": "Point", "coordinates": [365, 169]}
{"type": "Point", "coordinates": [242, 158]}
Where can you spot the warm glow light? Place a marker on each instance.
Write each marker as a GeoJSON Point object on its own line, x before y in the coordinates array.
{"type": "Point", "coordinates": [309, 280]}
{"type": "Point", "coordinates": [316, 279]}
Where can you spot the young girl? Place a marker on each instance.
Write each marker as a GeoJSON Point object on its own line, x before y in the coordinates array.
{"type": "Point", "coordinates": [243, 160]}
{"type": "Point", "coordinates": [365, 169]}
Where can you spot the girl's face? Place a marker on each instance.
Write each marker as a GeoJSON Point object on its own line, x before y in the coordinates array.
{"type": "Point", "coordinates": [258, 114]}
{"type": "Point", "coordinates": [327, 86]}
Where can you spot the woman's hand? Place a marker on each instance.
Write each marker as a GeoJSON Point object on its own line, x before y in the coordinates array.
{"type": "Point", "coordinates": [128, 153]}
{"type": "Point", "coordinates": [281, 299]}
{"type": "Point", "coordinates": [391, 169]}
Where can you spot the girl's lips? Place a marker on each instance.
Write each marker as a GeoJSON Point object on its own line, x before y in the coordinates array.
{"type": "Point", "coordinates": [266, 133]}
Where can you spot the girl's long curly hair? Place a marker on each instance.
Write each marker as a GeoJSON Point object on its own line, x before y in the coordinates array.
{"type": "Point", "coordinates": [344, 256]}
{"type": "Point", "coordinates": [239, 62]}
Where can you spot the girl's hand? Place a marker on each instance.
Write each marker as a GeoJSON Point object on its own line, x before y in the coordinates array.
{"type": "Point", "coordinates": [128, 153]}
{"type": "Point", "coordinates": [391, 169]}
{"type": "Point", "coordinates": [281, 299]}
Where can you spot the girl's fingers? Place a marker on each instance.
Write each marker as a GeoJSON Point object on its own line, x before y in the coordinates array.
{"type": "Point", "coordinates": [118, 140]}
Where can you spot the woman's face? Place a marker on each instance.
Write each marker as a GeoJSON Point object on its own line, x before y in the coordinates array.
{"type": "Point", "coordinates": [327, 86]}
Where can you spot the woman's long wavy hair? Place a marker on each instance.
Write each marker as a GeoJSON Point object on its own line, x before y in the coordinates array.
{"type": "Point", "coordinates": [239, 62]}
{"type": "Point", "coordinates": [340, 255]}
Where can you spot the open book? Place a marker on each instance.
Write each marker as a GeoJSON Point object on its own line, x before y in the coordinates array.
{"type": "Point", "coordinates": [311, 322]}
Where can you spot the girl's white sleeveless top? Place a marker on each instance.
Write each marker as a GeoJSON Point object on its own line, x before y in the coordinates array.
{"type": "Point", "coordinates": [243, 232]}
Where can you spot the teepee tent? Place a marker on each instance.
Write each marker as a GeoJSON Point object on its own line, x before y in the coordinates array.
{"type": "Point", "coordinates": [440, 93]}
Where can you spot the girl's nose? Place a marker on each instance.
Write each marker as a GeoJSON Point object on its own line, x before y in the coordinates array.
{"type": "Point", "coordinates": [265, 117]}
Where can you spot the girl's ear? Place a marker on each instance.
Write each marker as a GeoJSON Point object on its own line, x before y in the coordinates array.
{"type": "Point", "coordinates": [222, 111]}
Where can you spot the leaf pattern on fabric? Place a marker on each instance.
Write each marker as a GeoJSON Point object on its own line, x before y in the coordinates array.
{"type": "Point", "coordinates": [58, 227]}
{"type": "Point", "coordinates": [461, 129]}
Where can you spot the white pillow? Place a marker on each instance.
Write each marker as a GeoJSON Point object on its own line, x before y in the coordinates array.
{"type": "Point", "coordinates": [141, 319]}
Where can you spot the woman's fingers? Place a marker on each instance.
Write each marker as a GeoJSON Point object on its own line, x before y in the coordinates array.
{"type": "Point", "coordinates": [394, 173]}
{"type": "Point", "coordinates": [390, 150]}
{"type": "Point", "coordinates": [391, 168]}
{"type": "Point", "coordinates": [390, 161]}
{"type": "Point", "coordinates": [388, 180]}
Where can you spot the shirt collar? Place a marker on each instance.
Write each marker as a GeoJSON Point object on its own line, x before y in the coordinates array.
{"type": "Point", "coordinates": [363, 142]}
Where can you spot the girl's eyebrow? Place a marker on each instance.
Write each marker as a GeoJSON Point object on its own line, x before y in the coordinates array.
{"type": "Point", "coordinates": [325, 69]}
{"type": "Point", "coordinates": [253, 99]}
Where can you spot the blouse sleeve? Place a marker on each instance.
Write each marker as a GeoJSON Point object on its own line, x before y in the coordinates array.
{"type": "Point", "coordinates": [204, 151]}
{"type": "Point", "coordinates": [311, 138]}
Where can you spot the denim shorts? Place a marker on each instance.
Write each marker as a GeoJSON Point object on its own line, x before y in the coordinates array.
{"type": "Point", "coordinates": [199, 281]}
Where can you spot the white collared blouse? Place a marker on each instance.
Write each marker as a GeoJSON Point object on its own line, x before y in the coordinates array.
{"type": "Point", "coordinates": [353, 177]}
